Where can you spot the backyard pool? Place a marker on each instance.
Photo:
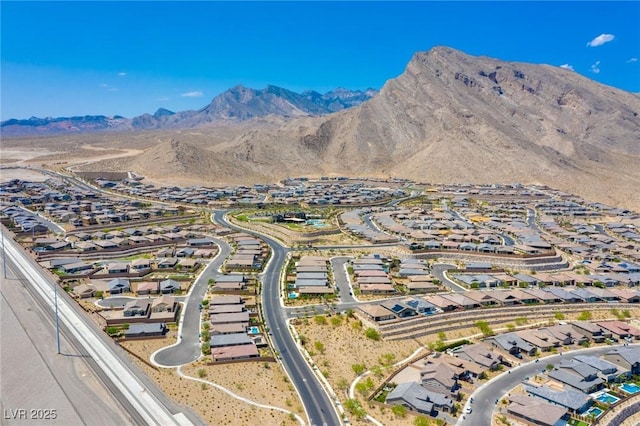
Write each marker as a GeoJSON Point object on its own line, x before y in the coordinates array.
{"type": "Point", "coordinates": [317, 223]}
{"type": "Point", "coordinates": [253, 330]}
{"type": "Point", "coordinates": [607, 398]}
{"type": "Point", "coordinates": [594, 411]}
{"type": "Point", "coordinates": [292, 295]}
{"type": "Point", "coordinates": [631, 388]}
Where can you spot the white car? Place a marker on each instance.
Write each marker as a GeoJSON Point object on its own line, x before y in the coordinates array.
{"type": "Point", "coordinates": [467, 410]}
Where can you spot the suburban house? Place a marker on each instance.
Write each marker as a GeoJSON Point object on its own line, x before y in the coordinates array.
{"type": "Point", "coordinates": [230, 353]}
{"type": "Point", "coordinates": [535, 411]}
{"type": "Point", "coordinates": [169, 286]}
{"type": "Point", "coordinates": [119, 285]}
{"type": "Point", "coordinates": [118, 268]}
{"type": "Point", "coordinates": [84, 291]}
{"type": "Point", "coordinates": [512, 343]}
{"type": "Point", "coordinates": [620, 330]}
{"type": "Point", "coordinates": [578, 375]}
{"type": "Point", "coordinates": [136, 308]}
{"type": "Point", "coordinates": [400, 309]}
{"type": "Point", "coordinates": [539, 338]}
{"type": "Point", "coordinates": [626, 357]}
{"type": "Point", "coordinates": [592, 331]}
{"type": "Point", "coordinates": [164, 304]}
{"type": "Point", "coordinates": [138, 265]}
{"type": "Point", "coordinates": [480, 353]}
{"type": "Point", "coordinates": [572, 400]}
{"type": "Point", "coordinates": [608, 371]}
{"type": "Point", "coordinates": [145, 330]}
{"type": "Point", "coordinates": [565, 333]}
{"type": "Point", "coordinates": [235, 339]}
{"type": "Point", "coordinates": [376, 312]}
{"type": "Point", "coordinates": [417, 398]}
{"type": "Point", "coordinates": [440, 377]}
{"type": "Point", "coordinates": [147, 287]}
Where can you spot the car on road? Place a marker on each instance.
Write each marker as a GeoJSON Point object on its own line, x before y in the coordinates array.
{"type": "Point", "coordinates": [468, 410]}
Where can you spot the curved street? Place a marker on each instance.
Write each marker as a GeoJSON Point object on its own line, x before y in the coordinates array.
{"type": "Point", "coordinates": [316, 402]}
{"type": "Point", "coordinates": [485, 397]}
{"type": "Point", "coordinates": [188, 347]}
{"type": "Point", "coordinates": [438, 271]}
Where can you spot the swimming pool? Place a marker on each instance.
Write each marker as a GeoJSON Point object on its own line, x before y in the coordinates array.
{"type": "Point", "coordinates": [317, 223]}
{"type": "Point", "coordinates": [607, 398]}
{"type": "Point", "coordinates": [292, 295]}
{"type": "Point", "coordinates": [253, 330]}
{"type": "Point", "coordinates": [593, 411]}
{"type": "Point", "coordinates": [631, 388]}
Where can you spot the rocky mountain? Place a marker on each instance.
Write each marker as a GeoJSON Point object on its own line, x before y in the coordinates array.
{"type": "Point", "coordinates": [236, 104]}
{"type": "Point", "coordinates": [450, 117]}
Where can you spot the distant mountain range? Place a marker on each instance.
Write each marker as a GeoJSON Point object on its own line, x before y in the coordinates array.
{"type": "Point", "coordinates": [236, 104]}
{"type": "Point", "coordinates": [449, 117]}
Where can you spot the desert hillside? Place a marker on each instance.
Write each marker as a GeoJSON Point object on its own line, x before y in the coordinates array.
{"type": "Point", "coordinates": [449, 117]}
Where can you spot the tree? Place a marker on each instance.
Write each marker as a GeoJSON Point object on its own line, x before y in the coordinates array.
{"type": "Point", "coordinates": [354, 407]}
{"type": "Point", "coordinates": [320, 320]}
{"type": "Point", "coordinates": [202, 373]}
{"type": "Point", "coordinates": [359, 368]}
{"type": "Point", "coordinates": [585, 316]}
{"type": "Point", "coordinates": [421, 421]}
{"type": "Point", "coordinates": [484, 328]}
{"type": "Point", "coordinates": [559, 316]}
{"type": "Point", "coordinates": [372, 334]}
{"type": "Point", "coordinates": [319, 347]}
{"type": "Point", "coordinates": [399, 410]}
{"type": "Point", "coordinates": [303, 339]}
{"type": "Point", "coordinates": [361, 387]}
{"type": "Point", "coordinates": [206, 348]}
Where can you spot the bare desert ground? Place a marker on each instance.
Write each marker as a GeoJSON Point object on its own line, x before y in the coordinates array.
{"type": "Point", "coordinates": [261, 382]}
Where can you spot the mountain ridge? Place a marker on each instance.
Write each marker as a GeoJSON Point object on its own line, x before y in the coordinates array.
{"type": "Point", "coordinates": [448, 118]}
{"type": "Point", "coordinates": [238, 103]}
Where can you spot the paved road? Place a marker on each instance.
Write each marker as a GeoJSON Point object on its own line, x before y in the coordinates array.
{"type": "Point", "coordinates": [188, 348]}
{"type": "Point", "coordinates": [148, 404]}
{"type": "Point", "coordinates": [438, 271]}
{"type": "Point", "coordinates": [35, 377]}
{"type": "Point", "coordinates": [341, 279]}
{"type": "Point", "coordinates": [485, 396]}
{"type": "Point", "coordinates": [315, 400]}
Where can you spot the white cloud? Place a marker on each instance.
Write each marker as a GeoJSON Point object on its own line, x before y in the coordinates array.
{"type": "Point", "coordinates": [632, 60]}
{"type": "Point", "coordinates": [193, 94]}
{"type": "Point", "coordinates": [595, 68]}
{"type": "Point", "coordinates": [109, 87]}
{"type": "Point", "coordinates": [162, 99]}
{"type": "Point", "coordinates": [567, 67]}
{"type": "Point", "coordinates": [600, 40]}
{"type": "Point", "coordinates": [122, 74]}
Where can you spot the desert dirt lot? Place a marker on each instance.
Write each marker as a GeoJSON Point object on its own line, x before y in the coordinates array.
{"type": "Point", "coordinates": [261, 382]}
{"type": "Point", "coordinates": [343, 344]}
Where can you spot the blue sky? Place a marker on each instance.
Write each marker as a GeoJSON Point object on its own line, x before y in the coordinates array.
{"type": "Point", "coordinates": [127, 58]}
